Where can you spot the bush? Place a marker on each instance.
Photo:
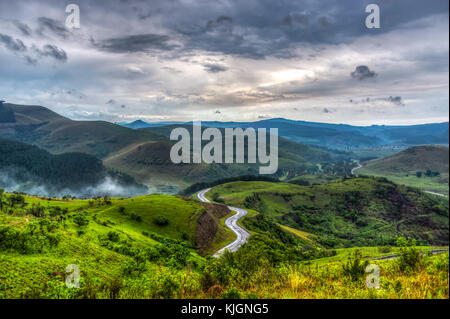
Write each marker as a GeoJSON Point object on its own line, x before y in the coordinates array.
{"type": "Point", "coordinates": [136, 217]}
{"type": "Point", "coordinates": [161, 221]}
{"type": "Point", "coordinates": [410, 257]}
{"type": "Point", "coordinates": [113, 236]}
{"type": "Point", "coordinates": [35, 238]}
{"type": "Point", "coordinates": [80, 219]}
{"type": "Point", "coordinates": [233, 293]}
{"type": "Point", "coordinates": [355, 268]}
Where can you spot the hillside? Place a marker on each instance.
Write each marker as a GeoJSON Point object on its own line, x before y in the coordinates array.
{"type": "Point", "coordinates": [57, 134]}
{"type": "Point", "coordinates": [353, 212]}
{"type": "Point", "coordinates": [425, 167]}
{"type": "Point", "coordinates": [340, 136]}
{"type": "Point", "coordinates": [156, 246]}
{"type": "Point", "coordinates": [27, 168]}
{"type": "Point", "coordinates": [150, 163]}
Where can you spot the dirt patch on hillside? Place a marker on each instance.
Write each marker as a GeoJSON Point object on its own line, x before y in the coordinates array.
{"type": "Point", "coordinates": [207, 225]}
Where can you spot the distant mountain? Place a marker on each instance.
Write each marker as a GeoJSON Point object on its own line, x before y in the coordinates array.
{"type": "Point", "coordinates": [342, 136]}
{"type": "Point", "coordinates": [142, 124]}
{"type": "Point", "coordinates": [30, 169]}
{"type": "Point", "coordinates": [426, 167]}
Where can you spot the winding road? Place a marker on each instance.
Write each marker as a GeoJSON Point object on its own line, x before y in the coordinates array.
{"type": "Point", "coordinates": [355, 168]}
{"type": "Point", "coordinates": [231, 223]}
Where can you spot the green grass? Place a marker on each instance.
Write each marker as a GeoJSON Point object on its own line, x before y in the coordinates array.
{"type": "Point", "coordinates": [342, 254]}
{"type": "Point", "coordinates": [432, 184]}
{"type": "Point", "coordinates": [402, 167]}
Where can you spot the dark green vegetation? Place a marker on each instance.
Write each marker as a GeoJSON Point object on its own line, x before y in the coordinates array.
{"type": "Point", "coordinates": [354, 212]}
{"type": "Point", "coordinates": [39, 171]}
{"type": "Point", "coordinates": [425, 167]}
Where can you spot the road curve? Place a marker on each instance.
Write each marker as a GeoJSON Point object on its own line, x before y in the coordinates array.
{"type": "Point", "coordinates": [231, 223]}
{"type": "Point", "coordinates": [355, 168]}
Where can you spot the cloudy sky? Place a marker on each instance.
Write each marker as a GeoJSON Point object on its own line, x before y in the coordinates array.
{"type": "Point", "coordinates": [240, 60]}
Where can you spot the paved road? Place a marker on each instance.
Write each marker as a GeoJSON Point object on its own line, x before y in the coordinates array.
{"type": "Point", "coordinates": [355, 168]}
{"type": "Point", "coordinates": [442, 195]}
{"type": "Point", "coordinates": [432, 251]}
{"type": "Point", "coordinates": [231, 223]}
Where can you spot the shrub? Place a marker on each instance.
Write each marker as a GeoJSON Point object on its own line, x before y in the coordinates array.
{"type": "Point", "coordinates": [136, 217]}
{"type": "Point", "coordinates": [168, 285]}
{"type": "Point", "coordinates": [161, 221]}
{"type": "Point", "coordinates": [133, 268]}
{"type": "Point", "coordinates": [80, 219]}
{"type": "Point", "coordinates": [37, 211]}
{"type": "Point", "coordinates": [113, 236]}
{"type": "Point", "coordinates": [233, 293]}
{"type": "Point", "coordinates": [355, 268]}
{"type": "Point", "coordinates": [410, 257]}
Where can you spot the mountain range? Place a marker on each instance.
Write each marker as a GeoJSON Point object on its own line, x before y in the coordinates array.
{"type": "Point", "coordinates": [336, 136]}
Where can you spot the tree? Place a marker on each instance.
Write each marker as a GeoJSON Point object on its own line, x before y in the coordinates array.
{"type": "Point", "coordinates": [419, 174]}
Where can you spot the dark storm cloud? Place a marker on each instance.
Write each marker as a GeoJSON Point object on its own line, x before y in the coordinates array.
{"type": "Point", "coordinates": [260, 28]}
{"type": "Point", "coordinates": [362, 72]}
{"type": "Point", "coordinates": [214, 68]}
{"type": "Point", "coordinates": [136, 43]}
{"type": "Point", "coordinates": [52, 51]}
{"type": "Point", "coordinates": [54, 26]}
{"type": "Point", "coordinates": [397, 100]}
{"type": "Point", "coordinates": [11, 44]}
{"type": "Point", "coordinates": [23, 27]}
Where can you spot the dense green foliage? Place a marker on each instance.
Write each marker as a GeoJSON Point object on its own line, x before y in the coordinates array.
{"type": "Point", "coordinates": [29, 164]}
{"type": "Point", "coordinates": [353, 212]}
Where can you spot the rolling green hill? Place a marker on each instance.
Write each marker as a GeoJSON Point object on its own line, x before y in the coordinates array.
{"type": "Point", "coordinates": [57, 134]}
{"type": "Point", "coordinates": [352, 212]}
{"type": "Point", "coordinates": [425, 167]}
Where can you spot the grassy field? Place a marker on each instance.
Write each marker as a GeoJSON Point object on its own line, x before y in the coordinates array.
{"type": "Point", "coordinates": [410, 168]}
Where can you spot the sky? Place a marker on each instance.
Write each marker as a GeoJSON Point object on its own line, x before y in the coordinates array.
{"type": "Point", "coordinates": [243, 60]}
